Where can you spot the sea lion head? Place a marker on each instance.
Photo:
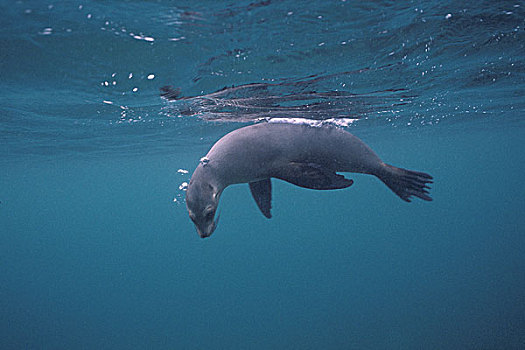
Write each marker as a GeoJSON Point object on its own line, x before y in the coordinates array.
{"type": "Point", "coordinates": [202, 200]}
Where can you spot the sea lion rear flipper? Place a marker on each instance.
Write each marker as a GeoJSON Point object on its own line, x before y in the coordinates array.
{"type": "Point", "coordinates": [406, 183]}
{"type": "Point", "coordinates": [262, 193]}
{"type": "Point", "coordinates": [313, 176]}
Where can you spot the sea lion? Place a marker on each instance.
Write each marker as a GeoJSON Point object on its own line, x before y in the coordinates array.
{"type": "Point", "coordinates": [304, 155]}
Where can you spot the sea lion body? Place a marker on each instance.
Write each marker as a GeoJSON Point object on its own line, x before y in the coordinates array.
{"type": "Point", "coordinates": [260, 151]}
{"type": "Point", "coordinates": [304, 155]}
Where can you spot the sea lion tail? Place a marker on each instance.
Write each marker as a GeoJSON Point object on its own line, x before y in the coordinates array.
{"type": "Point", "coordinates": [406, 183]}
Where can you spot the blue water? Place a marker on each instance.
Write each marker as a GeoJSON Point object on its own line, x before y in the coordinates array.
{"type": "Point", "coordinates": [97, 250]}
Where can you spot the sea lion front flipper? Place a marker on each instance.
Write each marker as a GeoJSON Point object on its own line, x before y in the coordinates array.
{"type": "Point", "coordinates": [313, 176]}
{"type": "Point", "coordinates": [262, 193]}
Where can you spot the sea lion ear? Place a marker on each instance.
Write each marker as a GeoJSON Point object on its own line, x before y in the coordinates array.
{"type": "Point", "coordinates": [213, 190]}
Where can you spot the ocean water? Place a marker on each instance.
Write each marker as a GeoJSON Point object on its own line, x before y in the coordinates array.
{"type": "Point", "coordinates": [107, 107]}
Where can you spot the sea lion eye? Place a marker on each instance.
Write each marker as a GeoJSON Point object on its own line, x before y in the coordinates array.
{"type": "Point", "coordinates": [209, 215]}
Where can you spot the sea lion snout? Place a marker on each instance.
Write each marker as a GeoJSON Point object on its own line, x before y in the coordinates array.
{"type": "Point", "coordinates": [203, 234]}
{"type": "Point", "coordinates": [204, 224]}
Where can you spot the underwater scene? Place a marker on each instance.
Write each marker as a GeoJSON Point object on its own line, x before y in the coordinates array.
{"type": "Point", "coordinates": [108, 107]}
